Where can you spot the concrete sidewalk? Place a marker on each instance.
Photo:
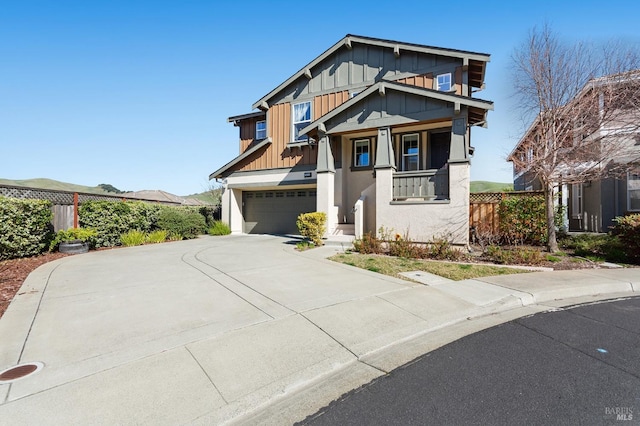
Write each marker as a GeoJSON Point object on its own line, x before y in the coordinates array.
{"type": "Point", "coordinates": [240, 329]}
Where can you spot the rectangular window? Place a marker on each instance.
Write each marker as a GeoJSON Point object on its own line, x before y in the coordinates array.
{"type": "Point", "coordinates": [443, 82]}
{"type": "Point", "coordinates": [576, 200]}
{"type": "Point", "coordinates": [633, 192]}
{"type": "Point", "coordinates": [410, 152]}
{"type": "Point", "coordinates": [302, 193]}
{"type": "Point", "coordinates": [261, 130]}
{"type": "Point", "coordinates": [361, 151]}
{"type": "Point", "coordinates": [301, 119]}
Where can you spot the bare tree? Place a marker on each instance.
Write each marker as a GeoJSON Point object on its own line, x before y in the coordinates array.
{"type": "Point", "coordinates": [584, 103]}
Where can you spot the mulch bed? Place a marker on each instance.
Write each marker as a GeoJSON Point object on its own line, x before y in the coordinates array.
{"type": "Point", "coordinates": [13, 273]}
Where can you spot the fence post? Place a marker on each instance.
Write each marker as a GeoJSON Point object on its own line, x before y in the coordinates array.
{"type": "Point", "coordinates": [75, 209]}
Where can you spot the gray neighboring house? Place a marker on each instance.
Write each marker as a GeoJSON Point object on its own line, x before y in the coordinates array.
{"type": "Point", "coordinates": [591, 206]}
{"type": "Point", "coordinates": [375, 133]}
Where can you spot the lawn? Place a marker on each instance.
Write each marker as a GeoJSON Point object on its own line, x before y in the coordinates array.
{"type": "Point", "coordinates": [392, 266]}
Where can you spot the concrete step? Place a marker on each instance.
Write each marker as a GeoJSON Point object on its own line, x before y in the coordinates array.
{"type": "Point", "coordinates": [345, 229]}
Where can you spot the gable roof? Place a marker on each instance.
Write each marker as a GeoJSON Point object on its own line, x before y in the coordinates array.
{"type": "Point", "coordinates": [381, 87]}
{"type": "Point", "coordinates": [239, 158]}
{"type": "Point", "coordinates": [476, 61]}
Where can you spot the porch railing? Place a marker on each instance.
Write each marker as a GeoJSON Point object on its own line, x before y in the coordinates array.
{"type": "Point", "coordinates": [421, 185]}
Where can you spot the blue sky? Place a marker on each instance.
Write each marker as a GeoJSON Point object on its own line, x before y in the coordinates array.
{"type": "Point", "coordinates": [137, 93]}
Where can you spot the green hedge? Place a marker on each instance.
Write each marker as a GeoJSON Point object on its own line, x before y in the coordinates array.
{"type": "Point", "coordinates": [523, 220]}
{"type": "Point", "coordinates": [181, 222]}
{"type": "Point", "coordinates": [627, 230]}
{"type": "Point", "coordinates": [25, 227]}
{"type": "Point", "coordinates": [111, 219]}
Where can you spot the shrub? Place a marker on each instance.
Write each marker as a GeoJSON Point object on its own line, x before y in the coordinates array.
{"type": "Point", "coordinates": [159, 236]}
{"type": "Point", "coordinates": [25, 227]}
{"type": "Point", "coordinates": [133, 238]}
{"type": "Point", "coordinates": [402, 246]}
{"type": "Point", "coordinates": [523, 220]}
{"type": "Point", "coordinates": [111, 219]}
{"type": "Point", "coordinates": [516, 256]}
{"type": "Point", "coordinates": [183, 221]}
{"type": "Point", "coordinates": [627, 230]}
{"type": "Point", "coordinates": [368, 244]}
{"type": "Point", "coordinates": [312, 226]}
{"type": "Point", "coordinates": [441, 249]}
{"type": "Point", "coordinates": [598, 247]}
{"type": "Point", "coordinates": [87, 235]}
{"type": "Point", "coordinates": [219, 228]}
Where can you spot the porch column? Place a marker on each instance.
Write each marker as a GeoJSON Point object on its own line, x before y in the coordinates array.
{"type": "Point", "coordinates": [325, 172]}
{"type": "Point", "coordinates": [232, 209]}
{"type": "Point", "coordinates": [459, 149]}
{"type": "Point", "coordinates": [385, 167]}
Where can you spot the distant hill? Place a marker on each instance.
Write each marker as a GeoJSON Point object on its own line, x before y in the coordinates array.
{"type": "Point", "coordinates": [203, 198]}
{"type": "Point", "coordinates": [54, 185]}
{"type": "Point", "coordinates": [484, 186]}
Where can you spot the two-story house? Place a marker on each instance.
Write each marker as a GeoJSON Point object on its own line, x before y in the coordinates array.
{"type": "Point", "coordinates": [594, 163]}
{"type": "Point", "coordinates": [375, 133]}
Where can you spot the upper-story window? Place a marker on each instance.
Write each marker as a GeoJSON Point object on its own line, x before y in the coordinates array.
{"type": "Point", "coordinates": [301, 119]}
{"type": "Point", "coordinates": [361, 153]}
{"type": "Point", "coordinates": [410, 152]}
{"type": "Point", "coordinates": [443, 82]}
{"type": "Point", "coordinates": [261, 130]}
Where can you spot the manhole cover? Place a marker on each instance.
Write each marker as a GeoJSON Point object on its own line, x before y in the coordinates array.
{"type": "Point", "coordinates": [19, 371]}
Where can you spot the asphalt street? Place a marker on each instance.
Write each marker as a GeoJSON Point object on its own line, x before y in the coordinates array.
{"type": "Point", "coordinates": [578, 365]}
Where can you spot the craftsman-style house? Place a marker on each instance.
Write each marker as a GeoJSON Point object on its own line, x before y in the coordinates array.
{"type": "Point", "coordinates": [375, 133]}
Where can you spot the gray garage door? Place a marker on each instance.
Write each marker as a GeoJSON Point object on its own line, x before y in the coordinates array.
{"type": "Point", "coordinates": [275, 212]}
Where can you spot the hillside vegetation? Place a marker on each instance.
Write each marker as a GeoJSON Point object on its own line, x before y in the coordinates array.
{"type": "Point", "coordinates": [484, 186]}
{"type": "Point", "coordinates": [54, 185]}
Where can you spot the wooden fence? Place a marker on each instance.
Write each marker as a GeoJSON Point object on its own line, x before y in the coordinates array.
{"type": "Point", "coordinates": [65, 203]}
{"type": "Point", "coordinates": [484, 214]}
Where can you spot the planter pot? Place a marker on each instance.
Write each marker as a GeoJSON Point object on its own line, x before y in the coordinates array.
{"type": "Point", "coordinates": [73, 247]}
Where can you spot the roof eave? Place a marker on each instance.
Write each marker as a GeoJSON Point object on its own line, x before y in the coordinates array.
{"type": "Point", "coordinates": [347, 41]}
{"type": "Point", "coordinates": [382, 86]}
{"type": "Point", "coordinates": [218, 173]}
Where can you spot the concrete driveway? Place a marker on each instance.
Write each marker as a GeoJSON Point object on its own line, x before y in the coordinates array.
{"type": "Point", "coordinates": [237, 329]}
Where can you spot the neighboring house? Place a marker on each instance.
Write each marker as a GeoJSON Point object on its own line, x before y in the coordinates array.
{"type": "Point", "coordinates": [594, 188]}
{"type": "Point", "coordinates": [375, 133]}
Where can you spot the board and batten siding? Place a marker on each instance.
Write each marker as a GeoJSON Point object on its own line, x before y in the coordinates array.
{"type": "Point", "coordinates": [277, 155]}
{"type": "Point", "coordinates": [426, 80]}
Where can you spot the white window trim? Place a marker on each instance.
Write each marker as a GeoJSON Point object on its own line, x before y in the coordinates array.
{"type": "Point", "coordinates": [417, 155]}
{"type": "Point", "coordinates": [355, 153]}
{"type": "Point", "coordinates": [451, 85]}
{"type": "Point", "coordinates": [629, 179]}
{"type": "Point", "coordinates": [576, 200]}
{"type": "Point", "coordinates": [265, 129]}
{"type": "Point", "coordinates": [294, 122]}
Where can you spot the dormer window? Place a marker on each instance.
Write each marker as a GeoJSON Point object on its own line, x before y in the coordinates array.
{"type": "Point", "coordinates": [301, 119]}
{"type": "Point", "coordinates": [443, 82]}
{"type": "Point", "coordinates": [261, 130]}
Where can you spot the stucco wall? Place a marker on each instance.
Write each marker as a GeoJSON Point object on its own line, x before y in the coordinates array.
{"type": "Point", "coordinates": [426, 221]}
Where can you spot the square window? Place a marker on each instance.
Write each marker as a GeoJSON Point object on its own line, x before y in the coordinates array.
{"type": "Point", "coordinates": [361, 153]}
{"type": "Point", "coordinates": [410, 152]}
{"type": "Point", "coordinates": [261, 130]}
{"type": "Point", "coordinates": [443, 82]}
{"type": "Point", "coordinates": [301, 119]}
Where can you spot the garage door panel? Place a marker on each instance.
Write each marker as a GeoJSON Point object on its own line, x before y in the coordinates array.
{"type": "Point", "coordinates": [275, 212]}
